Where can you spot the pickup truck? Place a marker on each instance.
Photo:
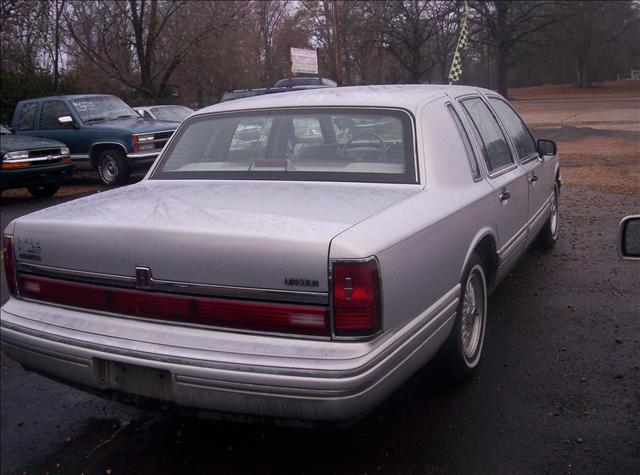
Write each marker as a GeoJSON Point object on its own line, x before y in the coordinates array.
{"type": "Point", "coordinates": [102, 132]}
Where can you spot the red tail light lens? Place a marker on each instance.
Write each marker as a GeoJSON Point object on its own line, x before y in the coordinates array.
{"type": "Point", "coordinates": [267, 317]}
{"type": "Point", "coordinates": [356, 298]}
{"type": "Point", "coordinates": [9, 263]}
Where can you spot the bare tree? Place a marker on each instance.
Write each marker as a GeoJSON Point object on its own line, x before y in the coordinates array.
{"type": "Point", "coordinates": [505, 26]}
{"type": "Point", "coordinates": [269, 14]}
{"type": "Point", "coordinates": [141, 43]}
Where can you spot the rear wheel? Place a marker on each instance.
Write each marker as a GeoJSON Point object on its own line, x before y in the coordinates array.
{"type": "Point", "coordinates": [44, 190]}
{"type": "Point", "coordinates": [463, 348]}
{"type": "Point", "coordinates": [549, 232]}
{"type": "Point", "coordinates": [112, 167]}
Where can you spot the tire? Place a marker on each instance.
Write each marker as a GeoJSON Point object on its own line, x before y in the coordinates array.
{"type": "Point", "coordinates": [549, 232]}
{"type": "Point", "coordinates": [112, 167]}
{"type": "Point", "coordinates": [463, 349]}
{"type": "Point", "coordinates": [44, 190]}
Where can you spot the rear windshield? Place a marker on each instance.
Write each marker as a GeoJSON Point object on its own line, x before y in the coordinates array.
{"type": "Point", "coordinates": [317, 144]}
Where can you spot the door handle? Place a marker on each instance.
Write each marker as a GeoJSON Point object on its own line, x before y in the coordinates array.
{"type": "Point", "coordinates": [533, 179]}
{"type": "Point", "coordinates": [505, 195]}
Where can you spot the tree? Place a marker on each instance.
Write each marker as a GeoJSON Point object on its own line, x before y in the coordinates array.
{"type": "Point", "coordinates": [141, 43]}
{"type": "Point", "coordinates": [505, 26]}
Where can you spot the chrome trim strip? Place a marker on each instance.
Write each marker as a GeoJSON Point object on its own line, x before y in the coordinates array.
{"type": "Point", "coordinates": [48, 158]}
{"type": "Point", "coordinates": [540, 215]}
{"type": "Point", "coordinates": [156, 132]}
{"type": "Point", "coordinates": [151, 154]}
{"type": "Point", "coordinates": [210, 290]}
{"type": "Point", "coordinates": [507, 250]}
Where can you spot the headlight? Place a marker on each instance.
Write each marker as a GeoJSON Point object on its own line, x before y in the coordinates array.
{"type": "Point", "coordinates": [142, 138]}
{"type": "Point", "coordinates": [19, 155]}
{"type": "Point", "coordinates": [64, 151]}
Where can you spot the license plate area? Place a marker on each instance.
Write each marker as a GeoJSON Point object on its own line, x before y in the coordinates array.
{"type": "Point", "coordinates": [140, 380]}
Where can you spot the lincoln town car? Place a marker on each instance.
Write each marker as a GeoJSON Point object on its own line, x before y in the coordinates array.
{"type": "Point", "coordinates": [288, 257]}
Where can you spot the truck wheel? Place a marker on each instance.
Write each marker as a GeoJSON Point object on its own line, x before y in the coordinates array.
{"type": "Point", "coordinates": [549, 232]}
{"type": "Point", "coordinates": [112, 167]}
{"type": "Point", "coordinates": [463, 348]}
{"type": "Point", "coordinates": [44, 190]}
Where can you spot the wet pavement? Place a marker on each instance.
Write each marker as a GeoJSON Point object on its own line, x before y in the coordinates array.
{"type": "Point", "coordinates": [558, 390]}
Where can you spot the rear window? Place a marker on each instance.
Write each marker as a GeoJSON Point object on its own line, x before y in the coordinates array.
{"type": "Point", "coordinates": [317, 144]}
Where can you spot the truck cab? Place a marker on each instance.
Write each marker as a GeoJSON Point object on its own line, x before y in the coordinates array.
{"type": "Point", "coordinates": [102, 132]}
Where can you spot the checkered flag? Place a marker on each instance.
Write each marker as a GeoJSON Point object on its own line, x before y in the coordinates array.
{"type": "Point", "coordinates": [456, 68]}
{"type": "Point", "coordinates": [463, 40]}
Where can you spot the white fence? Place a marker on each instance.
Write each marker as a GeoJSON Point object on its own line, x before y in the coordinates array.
{"type": "Point", "coordinates": [634, 74]}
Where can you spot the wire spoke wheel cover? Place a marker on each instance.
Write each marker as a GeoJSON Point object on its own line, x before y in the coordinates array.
{"type": "Point", "coordinates": [473, 316]}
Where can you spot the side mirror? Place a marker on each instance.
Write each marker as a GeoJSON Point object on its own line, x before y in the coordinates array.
{"type": "Point", "coordinates": [546, 147]}
{"type": "Point", "coordinates": [629, 237]}
{"type": "Point", "coordinates": [65, 120]}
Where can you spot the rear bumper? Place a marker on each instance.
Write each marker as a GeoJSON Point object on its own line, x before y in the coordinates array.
{"type": "Point", "coordinates": [219, 371]}
{"type": "Point", "coordinates": [20, 177]}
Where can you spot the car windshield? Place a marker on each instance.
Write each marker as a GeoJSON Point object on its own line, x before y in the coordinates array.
{"type": "Point", "coordinates": [4, 131]}
{"type": "Point", "coordinates": [314, 144]}
{"type": "Point", "coordinates": [101, 108]}
{"type": "Point", "coordinates": [172, 113]}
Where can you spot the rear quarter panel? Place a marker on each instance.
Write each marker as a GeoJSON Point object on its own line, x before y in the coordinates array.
{"type": "Point", "coordinates": [424, 242]}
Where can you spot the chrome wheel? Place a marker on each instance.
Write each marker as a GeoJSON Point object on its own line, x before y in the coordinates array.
{"type": "Point", "coordinates": [473, 316]}
{"type": "Point", "coordinates": [553, 217]}
{"type": "Point", "coordinates": [109, 169]}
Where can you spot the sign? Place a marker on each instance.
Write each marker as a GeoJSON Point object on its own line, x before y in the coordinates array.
{"type": "Point", "coordinates": [304, 61]}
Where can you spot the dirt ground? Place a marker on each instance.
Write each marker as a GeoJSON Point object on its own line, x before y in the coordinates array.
{"type": "Point", "coordinates": [597, 131]}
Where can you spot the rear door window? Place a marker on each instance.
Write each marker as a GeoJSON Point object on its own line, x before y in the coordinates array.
{"type": "Point", "coordinates": [50, 112]}
{"type": "Point", "coordinates": [27, 116]}
{"type": "Point", "coordinates": [517, 130]}
{"type": "Point", "coordinates": [494, 144]}
{"type": "Point", "coordinates": [471, 155]}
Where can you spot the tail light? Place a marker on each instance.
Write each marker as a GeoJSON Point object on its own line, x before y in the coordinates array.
{"type": "Point", "coordinates": [9, 263]}
{"type": "Point", "coordinates": [357, 308]}
{"type": "Point", "coordinates": [266, 317]}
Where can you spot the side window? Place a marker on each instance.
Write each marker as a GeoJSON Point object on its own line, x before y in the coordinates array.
{"type": "Point", "coordinates": [27, 116]}
{"type": "Point", "coordinates": [146, 115]}
{"type": "Point", "coordinates": [50, 113]}
{"type": "Point", "coordinates": [467, 143]}
{"type": "Point", "coordinates": [494, 144]}
{"type": "Point", "coordinates": [517, 130]}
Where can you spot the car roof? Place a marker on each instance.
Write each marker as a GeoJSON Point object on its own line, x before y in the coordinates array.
{"type": "Point", "coordinates": [67, 97]}
{"type": "Point", "coordinates": [405, 96]}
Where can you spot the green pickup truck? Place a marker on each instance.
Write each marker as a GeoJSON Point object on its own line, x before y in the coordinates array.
{"type": "Point", "coordinates": [39, 164]}
{"type": "Point", "coordinates": [102, 132]}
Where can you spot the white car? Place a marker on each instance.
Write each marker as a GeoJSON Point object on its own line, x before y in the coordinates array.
{"type": "Point", "coordinates": [168, 113]}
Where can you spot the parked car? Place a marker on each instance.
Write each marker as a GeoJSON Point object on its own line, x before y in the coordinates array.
{"type": "Point", "coordinates": [35, 163]}
{"type": "Point", "coordinates": [298, 84]}
{"type": "Point", "coordinates": [168, 113]}
{"type": "Point", "coordinates": [306, 81]}
{"type": "Point", "coordinates": [102, 132]}
{"type": "Point", "coordinates": [263, 270]}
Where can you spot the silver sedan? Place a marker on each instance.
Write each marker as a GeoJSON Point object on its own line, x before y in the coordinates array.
{"type": "Point", "coordinates": [295, 256]}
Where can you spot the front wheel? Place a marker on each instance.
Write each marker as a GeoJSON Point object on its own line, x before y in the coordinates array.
{"type": "Point", "coordinates": [44, 190]}
{"type": "Point", "coordinates": [549, 232]}
{"type": "Point", "coordinates": [463, 348]}
{"type": "Point", "coordinates": [112, 167]}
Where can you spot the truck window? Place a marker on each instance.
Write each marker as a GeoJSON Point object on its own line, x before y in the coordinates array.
{"type": "Point", "coordinates": [50, 112]}
{"type": "Point", "coordinates": [27, 116]}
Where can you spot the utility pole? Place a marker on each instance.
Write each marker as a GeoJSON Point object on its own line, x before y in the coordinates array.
{"type": "Point", "coordinates": [336, 42]}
